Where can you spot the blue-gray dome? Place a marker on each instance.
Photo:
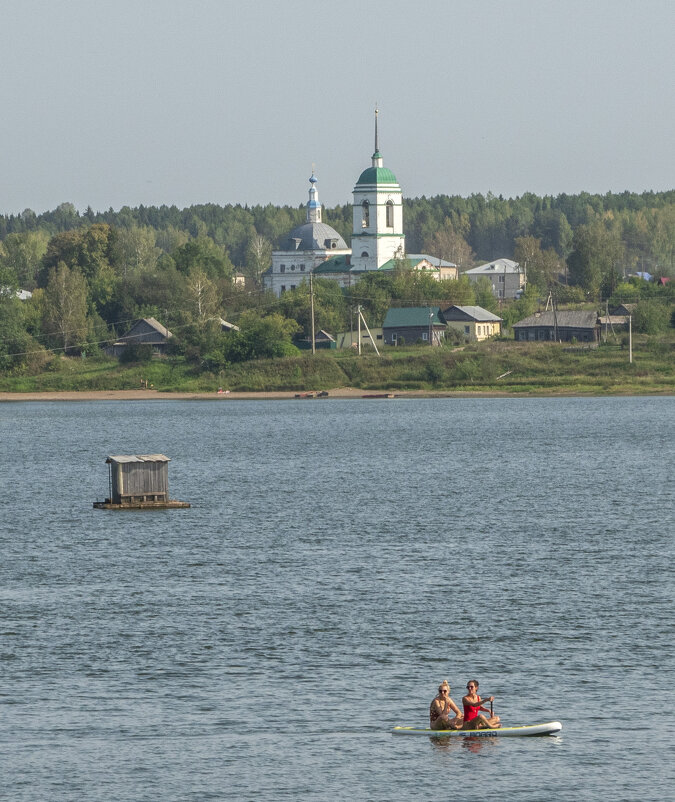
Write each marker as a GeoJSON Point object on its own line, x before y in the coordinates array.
{"type": "Point", "coordinates": [313, 237]}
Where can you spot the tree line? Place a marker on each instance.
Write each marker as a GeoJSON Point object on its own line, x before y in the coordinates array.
{"type": "Point", "coordinates": [93, 273]}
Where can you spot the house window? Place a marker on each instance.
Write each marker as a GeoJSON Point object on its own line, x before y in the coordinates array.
{"type": "Point", "coordinates": [365, 214]}
{"type": "Point", "coordinates": [282, 268]}
{"type": "Point", "coordinates": [283, 288]}
{"type": "Point", "coordinates": [292, 286]}
{"type": "Point", "coordinates": [425, 336]}
{"type": "Point", "coordinates": [390, 214]}
{"type": "Point", "coordinates": [393, 337]}
{"type": "Point", "coordinates": [467, 329]}
{"type": "Point", "coordinates": [501, 279]}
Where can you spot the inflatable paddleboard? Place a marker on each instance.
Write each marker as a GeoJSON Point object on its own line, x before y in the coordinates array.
{"type": "Point", "coordinates": [549, 728]}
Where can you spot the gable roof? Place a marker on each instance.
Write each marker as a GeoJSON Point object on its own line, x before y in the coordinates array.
{"type": "Point", "coordinates": [417, 316]}
{"type": "Point", "coordinates": [476, 313]}
{"type": "Point", "coordinates": [496, 266]}
{"type": "Point", "coordinates": [145, 323]}
{"type": "Point", "coordinates": [566, 318]}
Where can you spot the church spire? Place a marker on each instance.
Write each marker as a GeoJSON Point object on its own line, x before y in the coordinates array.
{"type": "Point", "coordinates": [313, 204]}
{"type": "Point", "coordinates": [377, 158]}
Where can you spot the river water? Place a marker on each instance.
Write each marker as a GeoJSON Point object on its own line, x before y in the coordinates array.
{"type": "Point", "coordinates": [340, 558]}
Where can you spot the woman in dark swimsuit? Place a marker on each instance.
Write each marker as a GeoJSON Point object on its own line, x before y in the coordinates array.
{"type": "Point", "coordinates": [473, 704]}
{"type": "Point", "coordinates": [439, 709]}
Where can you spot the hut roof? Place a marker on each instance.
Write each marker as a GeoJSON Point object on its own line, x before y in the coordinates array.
{"type": "Point", "coordinates": [139, 458]}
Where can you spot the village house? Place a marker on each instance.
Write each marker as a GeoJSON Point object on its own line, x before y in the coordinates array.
{"type": "Point", "coordinates": [472, 322]}
{"type": "Point", "coordinates": [559, 326]}
{"type": "Point", "coordinates": [507, 277]}
{"type": "Point", "coordinates": [408, 325]}
{"type": "Point", "coordinates": [146, 331]}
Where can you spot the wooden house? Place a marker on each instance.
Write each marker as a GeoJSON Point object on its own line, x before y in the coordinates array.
{"type": "Point", "coordinates": [561, 326]}
{"type": "Point", "coordinates": [138, 481]}
{"type": "Point", "coordinates": [409, 325]}
{"type": "Point", "coordinates": [146, 331]}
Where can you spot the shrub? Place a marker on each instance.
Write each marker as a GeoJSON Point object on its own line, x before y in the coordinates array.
{"type": "Point", "coordinates": [136, 352]}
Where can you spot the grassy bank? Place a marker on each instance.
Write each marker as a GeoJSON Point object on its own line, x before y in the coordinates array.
{"type": "Point", "coordinates": [504, 367]}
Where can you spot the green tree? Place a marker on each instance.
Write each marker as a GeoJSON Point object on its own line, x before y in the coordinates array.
{"type": "Point", "coordinates": [448, 244]}
{"type": "Point", "coordinates": [65, 307]}
{"type": "Point", "coordinates": [135, 250]}
{"type": "Point", "coordinates": [594, 262]}
{"type": "Point", "coordinates": [651, 317]}
{"type": "Point", "coordinates": [23, 253]}
{"type": "Point", "coordinates": [542, 267]}
{"type": "Point", "coordinates": [261, 338]}
{"type": "Point", "coordinates": [203, 253]}
{"type": "Point", "coordinates": [91, 251]}
{"type": "Point", "coordinates": [484, 294]}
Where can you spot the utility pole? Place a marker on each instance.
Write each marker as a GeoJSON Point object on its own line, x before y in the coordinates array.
{"type": "Point", "coordinates": [358, 315]}
{"type": "Point", "coordinates": [311, 298]}
{"type": "Point", "coordinates": [372, 339]}
{"type": "Point", "coordinates": [630, 339]}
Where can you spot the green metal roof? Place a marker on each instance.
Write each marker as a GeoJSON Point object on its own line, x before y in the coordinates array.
{"type": "Point", "coordinates": [397, 317]}
{"type": "Point", "coordinates": [377, 175]}
{"type": "Point", "coordinates": [338, 264]}
{"type": "Point", "coordinates": [392, 264]}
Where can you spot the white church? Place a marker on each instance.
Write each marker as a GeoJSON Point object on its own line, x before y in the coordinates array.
{"type": "Point", "coordinates": [378, 242]}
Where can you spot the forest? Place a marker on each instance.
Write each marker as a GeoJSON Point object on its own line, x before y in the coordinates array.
{"type": "Point", "coordinates": [92, 274]}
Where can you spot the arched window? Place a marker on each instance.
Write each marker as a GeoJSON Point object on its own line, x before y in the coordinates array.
{"type": "Point", "coordinates": [365, 253]}
{"type": "Point", "coordinates": [390, 214]}
{"type": "Point", "coordinates": [365, 220]}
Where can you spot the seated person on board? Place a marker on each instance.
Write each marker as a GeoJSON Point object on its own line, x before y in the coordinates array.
{"type": "Point", "coordinates": [439, 709]}
{"type": "Point", "coordinates": [473, 704]}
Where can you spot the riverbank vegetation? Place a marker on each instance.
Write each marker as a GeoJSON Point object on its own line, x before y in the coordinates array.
{"type": "Point", "coordinates": [488, 367]}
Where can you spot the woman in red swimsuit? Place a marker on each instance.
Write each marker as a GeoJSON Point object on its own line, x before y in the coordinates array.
{"type": "Point", "coordinates": [439, 710]}
{"type": "Point", "coordinates": [473, 704]}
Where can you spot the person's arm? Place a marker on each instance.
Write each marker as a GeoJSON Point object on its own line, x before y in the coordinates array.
{"type": "Point", "coordinates": [487, 699]}
{"type": "Point", "coordinates": [453, 707]}
{"type": "Point", "coordinates": [439, 708]}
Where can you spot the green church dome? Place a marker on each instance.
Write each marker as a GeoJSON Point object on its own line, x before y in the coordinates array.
{"type": "Point", "coordinates": [377, 175]}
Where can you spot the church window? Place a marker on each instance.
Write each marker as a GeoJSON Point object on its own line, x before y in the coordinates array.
{"type": "Point", "coordinates": [283, 288]}
{"type": "Point", "coordinates": [365, 220]}
{"type": "Point", "coordinates": [282, 268]}
{"type": "Point", "coordinates": [302, 268]}
{"type": "Point", "coordinates": [390, 214]}
{"type": "Point", "coordinates": [365, 253]}
{"type": "Point", "coordinates": [292, 267]}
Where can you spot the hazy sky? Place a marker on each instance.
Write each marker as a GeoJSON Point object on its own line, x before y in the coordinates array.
{"type": "Point", "coordinates": [158, 101]}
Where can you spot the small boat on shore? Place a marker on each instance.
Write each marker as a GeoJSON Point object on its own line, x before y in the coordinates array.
{"type": "Point", "coordinates": [548, 728]}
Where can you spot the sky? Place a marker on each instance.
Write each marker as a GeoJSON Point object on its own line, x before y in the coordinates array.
{"type": "Point", "coordinates": [107, 104]}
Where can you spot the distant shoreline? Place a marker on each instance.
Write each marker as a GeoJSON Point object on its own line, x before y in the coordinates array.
{"type": "Point", "coordinates": [281, 395]}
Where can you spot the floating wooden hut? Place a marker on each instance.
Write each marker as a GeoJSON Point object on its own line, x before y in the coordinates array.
{"type": "Point", "coordinates": [139, 481]}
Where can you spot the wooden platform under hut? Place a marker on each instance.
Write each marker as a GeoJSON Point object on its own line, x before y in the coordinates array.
{"type": "Point", "coordinates": [139, 482]}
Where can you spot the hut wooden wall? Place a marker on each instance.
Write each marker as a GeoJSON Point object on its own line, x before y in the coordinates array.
{"type": "Point", "coordinates": [140, 478]}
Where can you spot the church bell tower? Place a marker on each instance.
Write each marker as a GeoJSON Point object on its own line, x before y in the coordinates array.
{"type": "Point", "coordinates": [377, 234]}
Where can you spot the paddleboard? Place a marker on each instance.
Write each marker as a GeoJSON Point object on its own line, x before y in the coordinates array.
{"type": "Point", "coordinates": [548, 728]}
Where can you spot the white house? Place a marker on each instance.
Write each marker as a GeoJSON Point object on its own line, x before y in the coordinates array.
{"type": "Point", "coordinates": [508, 278]}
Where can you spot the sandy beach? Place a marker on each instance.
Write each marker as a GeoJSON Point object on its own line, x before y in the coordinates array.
{"type": "Point", "coordinates": [154, 395]}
